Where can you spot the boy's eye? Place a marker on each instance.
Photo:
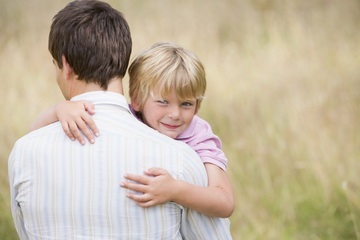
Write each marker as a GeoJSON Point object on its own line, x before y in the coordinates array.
{"type": "Point", "coordinates": [162, 101]}
{"type": "Point", "coordinates": [187, 104]}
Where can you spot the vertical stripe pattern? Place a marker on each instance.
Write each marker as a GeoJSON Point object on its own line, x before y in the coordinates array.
{"type": "Point", "coordinates": [63, 190]}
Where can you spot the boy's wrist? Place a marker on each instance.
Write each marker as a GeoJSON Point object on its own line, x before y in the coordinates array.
{"type": "Point", "coordinates": [178, 191]}
{"type": "Point", "coordinates": [58, 107]}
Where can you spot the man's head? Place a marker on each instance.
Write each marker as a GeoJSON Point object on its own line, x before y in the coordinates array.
{"type": "Point", "coordinates": [93, 39]}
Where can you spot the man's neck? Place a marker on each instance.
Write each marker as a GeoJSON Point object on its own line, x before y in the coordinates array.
{"type": "Point", "coordinates": [80, 87]}
{"type": "Point", "coordinates": [115, 85]}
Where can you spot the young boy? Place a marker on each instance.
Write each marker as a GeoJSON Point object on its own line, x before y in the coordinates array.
{"type": "Point", "coordinates": [167, 85]}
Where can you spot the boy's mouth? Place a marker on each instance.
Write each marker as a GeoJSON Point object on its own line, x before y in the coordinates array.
{"type": "Point", "coordinates": [169, 126]}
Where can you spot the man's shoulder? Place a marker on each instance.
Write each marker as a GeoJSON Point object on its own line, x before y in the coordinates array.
{"type": "Point", "coordinates": [25, 145]}
{"type": "Point", "coordinates": [52, 128]}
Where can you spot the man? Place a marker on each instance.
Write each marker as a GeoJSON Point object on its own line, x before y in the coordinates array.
{"type": "Point", "coordinates": [63, 190]}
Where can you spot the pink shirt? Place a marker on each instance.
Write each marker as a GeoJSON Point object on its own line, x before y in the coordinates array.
{"type": "Point", "coordinates": [207, 145]}
{"type": "Point", "coordinates": [199, 136]}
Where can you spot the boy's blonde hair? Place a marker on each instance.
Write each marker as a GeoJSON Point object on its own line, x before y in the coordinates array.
{"type": "Point", "coordinates": [167, 66]}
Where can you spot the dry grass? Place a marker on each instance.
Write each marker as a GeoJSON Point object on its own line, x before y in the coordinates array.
{"type": "Point", "coordinates": [284, 96]}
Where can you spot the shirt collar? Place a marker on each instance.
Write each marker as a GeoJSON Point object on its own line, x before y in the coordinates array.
{"type": "Point", "coordinates": [104, 97]}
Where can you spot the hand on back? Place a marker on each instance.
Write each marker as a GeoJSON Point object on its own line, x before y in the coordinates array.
{"type": "Point", "coordinates": [156, 187]}
{"type": "Point", "coordinates": [76, 120]}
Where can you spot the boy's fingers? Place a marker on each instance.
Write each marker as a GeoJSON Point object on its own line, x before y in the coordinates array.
{"type": "Point", "coordinates": [134, 187]}
{"type": "Point", "coordinates": [145, 205]}
{"type": "Point", "coordinates": [89, 107]}
{"type": "Point", "coordinates": [91, 124]}
{"type": "Point", "coordinates": [142, 200]}
{"type": "Point", "coordinates": [66, 129]}
{"type": "Point", "coordinates": [75, 131]}
{"type": "Point", "coordinates": [156, 171]}
{"type": "Point", "coordinates": [85, 130]}
{"type": "Point", "coordinates": [137, 178]}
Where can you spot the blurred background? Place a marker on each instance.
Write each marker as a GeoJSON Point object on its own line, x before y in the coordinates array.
{"type": "Point", "coordinates": [283, 94]}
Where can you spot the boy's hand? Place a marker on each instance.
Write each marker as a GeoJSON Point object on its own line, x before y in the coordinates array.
{"type": "Point", "coordinates": [75, 117]}
{"type": "Point", "coordinates": [156, 186]}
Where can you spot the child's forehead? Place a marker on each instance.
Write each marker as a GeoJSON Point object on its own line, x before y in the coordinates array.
{"type": "Point", "coordinates": [168, 93]}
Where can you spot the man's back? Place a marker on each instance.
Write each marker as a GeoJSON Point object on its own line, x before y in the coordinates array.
{"type": "Point", "coordinates": [68, 191]}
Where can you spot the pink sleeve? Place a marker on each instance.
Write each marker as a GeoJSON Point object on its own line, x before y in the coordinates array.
{"type": "Point", "coordinates": [206, 144]}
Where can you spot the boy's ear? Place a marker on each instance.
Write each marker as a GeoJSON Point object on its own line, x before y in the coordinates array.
{"type": "Point", "coordinates": [135, 105]}
{"type": "Point", "coordinates": [197, 106]}
{"type": "Point", "coordinates": [68, 71]}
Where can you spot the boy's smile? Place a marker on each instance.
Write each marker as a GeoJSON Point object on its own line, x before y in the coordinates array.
{"type": "Point", "coordinates": [168, 115]}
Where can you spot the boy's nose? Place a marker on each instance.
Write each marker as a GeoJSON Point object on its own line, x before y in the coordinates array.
{"type": "Point", "coordinates": [174, 112]}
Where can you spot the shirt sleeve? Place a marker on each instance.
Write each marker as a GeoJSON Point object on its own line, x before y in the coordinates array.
{"type": "Point", "coordinates": [207, 145]}
{"type": "Point", "coordinates": [14, 175]}
{"type": "Point", "coordinates": [195, 225]}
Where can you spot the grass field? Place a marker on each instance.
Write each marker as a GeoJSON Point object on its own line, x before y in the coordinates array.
{"type": "Point", "coordinates": [283, 95]}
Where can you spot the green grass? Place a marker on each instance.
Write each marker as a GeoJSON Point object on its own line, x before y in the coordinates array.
{"type": "Point", "coordinates": [283, 95]}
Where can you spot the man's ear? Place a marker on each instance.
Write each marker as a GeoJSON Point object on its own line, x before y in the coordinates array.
{"type": "Point", "coordinates": [67, 69]}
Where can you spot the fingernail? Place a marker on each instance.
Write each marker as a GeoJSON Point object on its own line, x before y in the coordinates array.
{"type": "Point", "coordinates": [82, 142]}
{"type": "Point", "coordinates": [72, 139]}
{"type": "Point", "coordinates": [92, 141]}
{"type": "Point", "coordinates": [97, 134]}
{"type": "Point", "coordinates": [122, 184]}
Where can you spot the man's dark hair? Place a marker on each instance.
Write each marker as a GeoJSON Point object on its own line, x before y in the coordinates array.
{"type": "Point", "coordinates": [94, 38]}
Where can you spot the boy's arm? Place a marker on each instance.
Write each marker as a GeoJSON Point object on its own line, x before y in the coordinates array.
{"type": "Point", "coordinates": [45, 118]}
{"type": "Point", "coordinates": [158, 186]}
{"type": "Point", "coordinates": [216, 200]}
{"type": "Point", "coordinates": [75, 118]}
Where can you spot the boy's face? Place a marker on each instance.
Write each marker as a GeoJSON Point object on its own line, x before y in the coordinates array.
{"type": "Point", "coordinates": [168, 115]}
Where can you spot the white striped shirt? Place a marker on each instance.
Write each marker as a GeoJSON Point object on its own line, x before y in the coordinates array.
{"type": "Point", "coordinates": [63, 190]}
